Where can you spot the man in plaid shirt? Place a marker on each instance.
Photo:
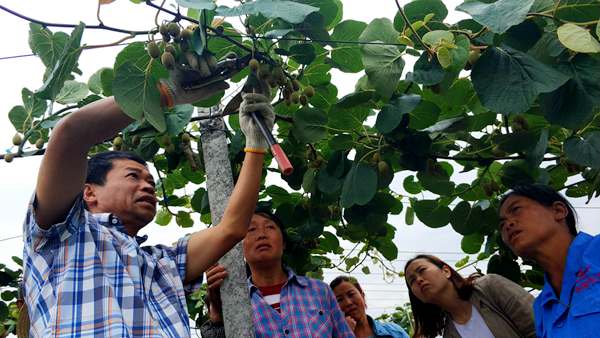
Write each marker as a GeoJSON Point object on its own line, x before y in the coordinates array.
{"type": "Point", "coordinates": [284, 304]}
{"type": "Point", "coordinates": [85, 273]}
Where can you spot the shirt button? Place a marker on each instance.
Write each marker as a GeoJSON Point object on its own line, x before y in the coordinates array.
{"type": "Point", "coordinates": [286, 331]}
{"type": "Point", "coordinates": [320, 312]}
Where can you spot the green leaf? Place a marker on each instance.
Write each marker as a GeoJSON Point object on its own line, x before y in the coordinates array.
{"type": "Point", "coordinates": [577, 39]}
{"type": "Point", "coordinates": [176, 121]}
{"type": "Point", "coordinates": [142, 99]}
{"type": "Point", "coordinates": [163, 217]}
{"type": "Point", "coordinates": [578, 11]}
{"type": "Point", "coordinates": [346, 56]}
{"type": "Point", "coordinates": [411, 186]}
{"type": "Point", "coordinates": [388, 249]}
{"type": "Point", "coordinates": [360, 185]}
{"type": "Point", "coordinates": [72, 92]}
{"type": "Point", "coordinates": [573, 104]}
{"type": "Point", "coordinates": [438, 37]}
{"type": "Point", "coordinates": [325, 96]}
{"type": "Point", "coordinates": [309, 124]}
{"type": "Point", "coordinates": [432, 213]}
{"type": "Point", "coordinates": [383, 65]}
{"type": "Point", "coordinates": [419, 10]}
{"type": "Point", "coordinates": [427, 72]}
{"type": "Point", "coordinates": [379, 30]}
{"type": "Point", "coordinates": [498, 16]}
{"type": "Point", "coordinates": [365, 270]}
{"type": "Point", "coordinates": [197, 4]}
{"type": "Point", "coordinates": [584, 151]}
{"type": "Point", "coordinates": [356, 98]}
{"type": "Point", "coordinates": [289, 11]}
{"type": "Point", "coordinates": [471, 244]}
{"type": "Point", "coordinates": [437, 181]}
{"type": "Point", "coordinates": [65, 65]}
{"type": "Point", "coordinates": [19, 118]}
{"type": "Point", "coordinates": [95, 81]}
{"type": "Point", "coordinates": [328, 183]}
{"type": "Point", "coordinates": [303, 53]}
{"type": "Point", "coordinates": [341, 142]}
{"type": "Point", "coordinates": [317, 73]}
{"type": "Point", "coordinates": [424, 115]}
{"type": "Point", "coordinates": [444, 57]}
{"type": "Point", "coordinates": [390, 116]}
{"type": "Point", "coordinates": [3, 312]}
{"type": "Point", "coordinates": [106, 78]}
{"type": "Point", "coordinates": [46, 45]}
{"type": "Point", "coordinates": [505, 266]}
{"type": "Point", "coordinates": [330, 11]}
{"type": "Point", "coordinates": [347, 118]}
{"type": "Point", "coordinates": [184, 220]}
{"type": "Point", "coordinates": [509, 81]}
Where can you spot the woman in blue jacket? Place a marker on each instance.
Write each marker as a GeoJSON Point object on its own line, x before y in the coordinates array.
{"type": "Point", "coordinates": [351, 299]}
{"type": "Point", "coordinates": [539, 224]}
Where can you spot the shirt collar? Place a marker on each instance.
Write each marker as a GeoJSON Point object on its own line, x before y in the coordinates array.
{"type": "Point", "coordinates": [292, 277]}
{"type": "Point", "coordinates": [574, 259]}
{"type": "Point", "coordinates": [111, 221]}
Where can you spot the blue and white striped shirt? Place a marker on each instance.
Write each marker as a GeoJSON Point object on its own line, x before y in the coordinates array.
{"type": "Point", "coordinates": [87, 277]}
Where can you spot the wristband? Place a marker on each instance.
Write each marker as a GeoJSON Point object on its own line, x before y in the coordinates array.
{"type": "Point", "coordinates": [255, 150]}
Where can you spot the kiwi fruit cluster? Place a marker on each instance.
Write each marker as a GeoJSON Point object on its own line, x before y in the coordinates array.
{"type": "Point", "coordinates": [175, 49]}
{"type": "Point", "coordinates": [274, 76]}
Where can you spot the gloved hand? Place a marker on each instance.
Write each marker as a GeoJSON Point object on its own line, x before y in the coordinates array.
{"type": "Point", "coordinates": [172, 93]}
{"type": "Point", "coordinates": [261, 105]}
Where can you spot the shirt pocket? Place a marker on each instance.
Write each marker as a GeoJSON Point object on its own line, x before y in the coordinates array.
{"type": "Point", "coordinates": [585, 314]}
{"type": "Point", "coordinates": [319, 322]}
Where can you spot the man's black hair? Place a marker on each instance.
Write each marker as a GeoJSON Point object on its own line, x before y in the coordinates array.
{"type": "Point", "coordinates": [546, 196]}
{"type": "Point", "coordinates": [100, 164]}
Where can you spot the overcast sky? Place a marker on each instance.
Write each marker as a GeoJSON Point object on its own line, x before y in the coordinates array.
{"type": "Point", "coordinates": [17, 179]}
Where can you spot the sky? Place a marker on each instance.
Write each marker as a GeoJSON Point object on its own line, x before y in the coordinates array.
{"type": "Point", "coordinates": [17, 179]}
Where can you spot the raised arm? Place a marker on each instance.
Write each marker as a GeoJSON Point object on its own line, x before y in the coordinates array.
{"type": "Point", "coordinates": [63, 169]}
{"type": "Point", "coordinates": [207, 246]}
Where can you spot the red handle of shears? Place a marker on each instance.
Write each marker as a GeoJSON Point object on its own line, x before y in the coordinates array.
{"type": "Point", "coordinates": [282, 160]}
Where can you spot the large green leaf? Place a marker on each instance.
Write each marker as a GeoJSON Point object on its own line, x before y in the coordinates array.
{"type": "Point", "coordinates": [417, 10]}
{"type": "Point", "coordinates": [178, 119]}
{"type": "Point", "coordinates": [573, 104]}
{"type": "Point", "coordinates": [95, 81]}
{"type": "Point", "coordinates": [45, 44]}
{"type": "Point", "coordinates": [289, 11]}
{"type": "Point", "coordinates": [325, 96]}
{"type": "Point", "coordinates": [428, 71]}
{"type": "Point", "coordinates": [303, 53]}
{"type": "Point", "coordinates": [498, 16]}
{"type": "Point", "coordinates": [584, 151]}
{"type": "Point", "coordinates": [346, 56]}
{"type": "Point", "coordinates": [578, 11]}
{"type": "Point", "coordinates": [360, 185]}
{"type": "Point", "coordinates": [135, 85]}
{"type": "Point", "coordinates": [347, 119]}
{"type": "Point", "coordinates": [22, 116]}
{"type": "Point", "coordinates": [471, 244]}
{"type": "Point", "coordinates": [390, 116]}
{"type": "Point", "coordinates": [72, 92]}
{"type": "Point", "coordinates": [64, 67]}
{"type": "Point", "coordinates": [383, 65]}
{"type": "Point", "coordinates": [197, 4]}
{"type": "Point", "coordinates": [330, 10]}
{"type": "Point", "coordinates": [19, 118]}
{"type": "Point", "coordinates": [309, 124]}
{"type": "Point", "coordinates": [432, 213]}
{"type": "Point", "coordinates": [509, 81]}
{"type": "Point", "coordinates": [577, 39]}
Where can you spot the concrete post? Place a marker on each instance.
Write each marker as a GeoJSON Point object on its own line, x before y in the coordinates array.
{"type": "Point", "coordinates": [237, 310]}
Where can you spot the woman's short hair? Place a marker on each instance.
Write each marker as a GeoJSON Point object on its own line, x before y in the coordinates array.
{"type": "Point", "coordinates": [430, 319]}
{"type": "Point", "coordinates": [546, 196]}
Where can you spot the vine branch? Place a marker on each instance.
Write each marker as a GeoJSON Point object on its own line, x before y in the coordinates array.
{"type": "Point", "coordinates": [412, 29]}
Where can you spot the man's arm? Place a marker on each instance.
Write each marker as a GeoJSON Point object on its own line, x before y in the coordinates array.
{"type": "Point", "coordinates": [63, 168]}
{"type": "Point", "coordinates": [207, 246]}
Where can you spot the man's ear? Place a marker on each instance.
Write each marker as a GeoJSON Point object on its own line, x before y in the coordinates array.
{"type": "Point", "coordinates": [89, 195]}
{"type": "Point", "coordinates": [560, 211]}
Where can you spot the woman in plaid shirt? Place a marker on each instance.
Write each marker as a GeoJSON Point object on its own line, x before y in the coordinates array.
{"type": "Point", "coordinates": [284, 304]}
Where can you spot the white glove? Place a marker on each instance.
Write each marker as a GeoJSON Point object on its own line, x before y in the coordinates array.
{"type": "Point", "coordinates": [261, 105]}
{"type": "Point", "coordinates": [172, 94]}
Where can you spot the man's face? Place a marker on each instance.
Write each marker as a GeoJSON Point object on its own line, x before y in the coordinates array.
{"type": "Point", "coordinates": [263, 243]}
{"type": "Point", "coordinates": [128, 193]}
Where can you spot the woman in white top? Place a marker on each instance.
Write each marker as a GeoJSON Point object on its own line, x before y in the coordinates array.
{"type": "Point", "coordinates": [444, 303]}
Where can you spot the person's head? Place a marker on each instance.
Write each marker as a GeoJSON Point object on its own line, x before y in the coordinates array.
{"type": "Point", "coordinates": [428, 278]}
{"type": "Point", "coordinates": [265, 240]}
{"type": "Point", "coordinates": [120, 183]}
{"type": "Point", "coordinates": [350, 297]}
{"type": "Point", "coordinates": [531, 214]}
